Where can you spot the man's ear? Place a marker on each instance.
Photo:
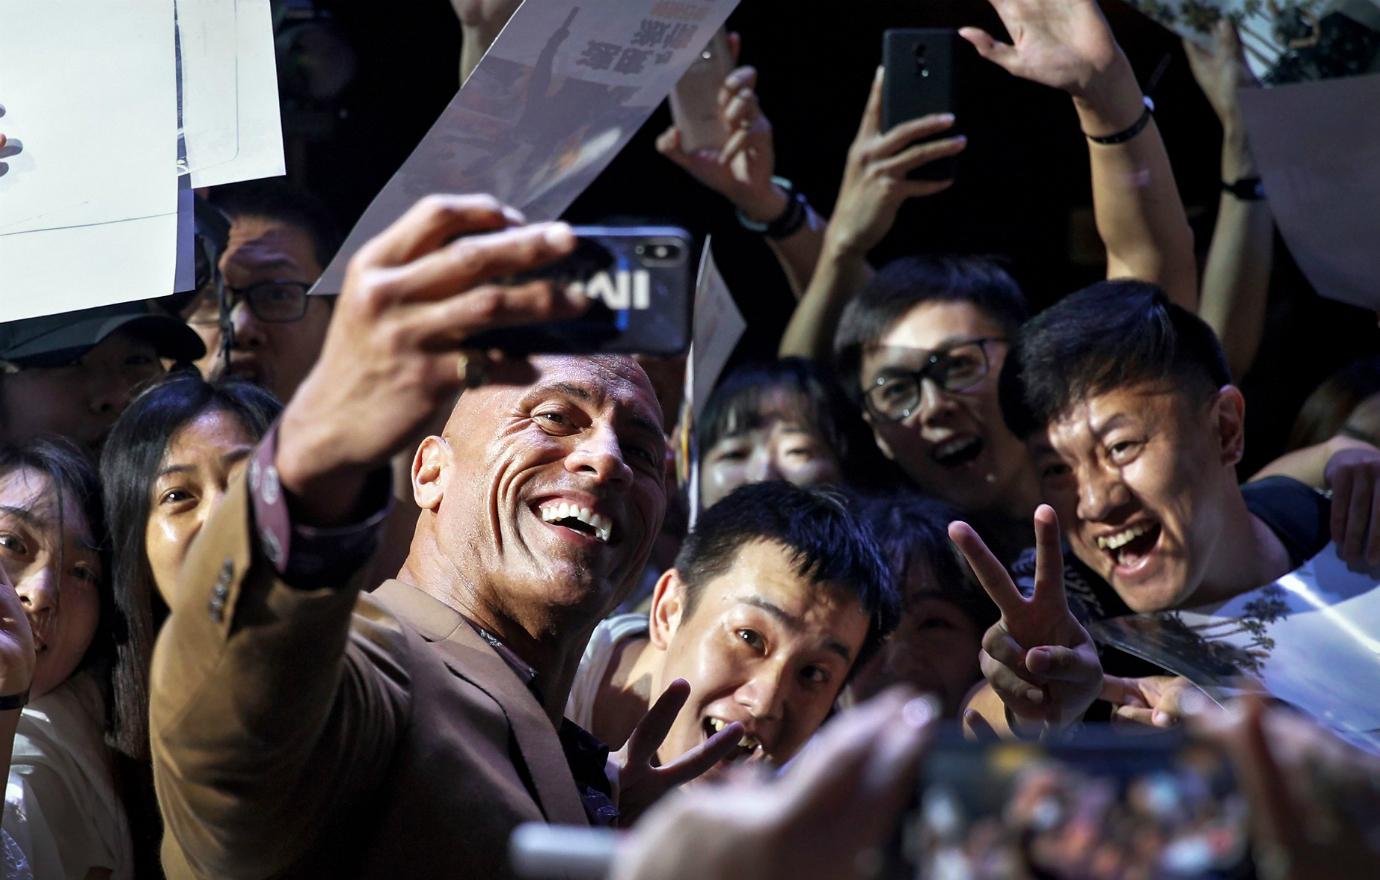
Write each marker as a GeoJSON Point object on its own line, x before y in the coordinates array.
{"type": "Point", "coordinates": [668, 607]}
{"type": "Point", "coordinates": [428, 467]}
{"type": "Point", "coordinates": [1229, 422]}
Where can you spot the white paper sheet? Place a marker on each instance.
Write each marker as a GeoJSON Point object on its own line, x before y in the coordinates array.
{"type": "Point", "coordinates": [60, 270]}
{"type": "Point", "coordinates": [89, 91]}
{"type": "Point", "coordinates": [231, 116]}
{"type": "Point", "coordinates": [718, 328]}
{"type": "Point", "coordinates": [559, 93]}
{"type": "Point", "coordinates": [1318, 148]}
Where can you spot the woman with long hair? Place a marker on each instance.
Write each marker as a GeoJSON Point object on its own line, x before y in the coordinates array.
{"type": "Point", "coordinates": [166, 464]}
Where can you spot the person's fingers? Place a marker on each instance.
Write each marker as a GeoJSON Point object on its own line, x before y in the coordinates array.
{"type": "Point", "coordinates": [431, 222]}
{"type": "Point", "coordinates": [998, 643]}
{"type": "Point", "coordinates": [872, 114]}
{"type": "Point", "coordinates": [1049, 561]}
{"type": "Point", "coordinates": [828, 771]}
{"type": "Point", "coordinates": [1054, 663]}
{"type": "Point", "coordinates": [1122, 691]}
{"type": "Point", "coordinates": [703, 756]}
{"type": "Point", "coordinates": [1357, 516]}
{"type": "Point", "coordinates": [1000, 54]}
{"type": "Point", "coordinates": [989, 570]}
{"type": "Point", "coordinates": [890, 775]}
{"type": "Point", "coordinates": [651, 731]}
{"type": "Point", "coordinates": [911, 189]}
{"type": "Point", "coordinates": [922, 154]}
{"type": "Point", "coordinates": [1022, 696]}
{"type": "Point", "coordinates": [910, 131]}
{"type": "Point", "coordinates": [1142, 715]}
{"type": "Point", "coordinates": [445, 325]}
{"type": "Point", "coordinates": [1342, 488]}
{"type": "Point", "coordinates": [735, 45]}
{"type": "Point", "coordinates": [736, 143]}
{"type": "Point", "coordinates": [1272, 802]}
{"type": "Point", "coordinates": [737, 80]}
{"type": "Point", "coordinates": [742, 110]}
{"type": "Point", "coordinates": [976, 728]}
{"type": "Point", "coordinates": [480, 259]}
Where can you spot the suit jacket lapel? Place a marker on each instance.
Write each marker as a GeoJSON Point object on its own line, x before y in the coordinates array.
{"type": "Point", "coordinates": [470, 657]}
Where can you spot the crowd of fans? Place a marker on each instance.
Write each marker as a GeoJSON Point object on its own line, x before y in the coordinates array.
{"type": "Point", "coordinates": [306, 588]}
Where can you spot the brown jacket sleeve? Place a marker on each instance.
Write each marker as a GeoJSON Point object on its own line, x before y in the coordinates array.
{"type": "Point", "coordinates": [272, 707]}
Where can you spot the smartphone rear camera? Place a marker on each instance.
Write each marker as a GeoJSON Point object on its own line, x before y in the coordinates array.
{"type": "Point", "coordinates": [661, 253]}
{"type": "Point", "coordinates": [922, 65]}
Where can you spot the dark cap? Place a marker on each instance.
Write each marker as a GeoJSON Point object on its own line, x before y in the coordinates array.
{"type": "Point", "coordinates": [57, 340]}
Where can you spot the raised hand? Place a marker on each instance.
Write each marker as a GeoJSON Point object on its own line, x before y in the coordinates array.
{"type": "Point", "coordinates": [412, 295]}
{"type": "Point", "coordinates": [1221, 71]}
{"type": "Point", "coordinates": [874, 180]}
{"type": "Point", "coordinates": [1038, 658]}
{"type": "Point", "coordinates": [638, 781]}
{"type": "Point", "coordinates": [1064, 44]}
{"type": "Point", "coordinates": [741, 171]}
{"type": "Point", "coordinates": [17, 656]}
{"type": "Point", "coordinates": [1155, 700]}
{"type": "Point", "coordinates": [1354, 477]}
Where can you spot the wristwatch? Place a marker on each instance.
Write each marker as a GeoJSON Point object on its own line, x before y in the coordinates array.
{"type": "Point", "coordinates": [789, 221]}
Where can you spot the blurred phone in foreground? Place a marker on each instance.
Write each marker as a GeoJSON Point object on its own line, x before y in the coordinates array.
{"type": "Point", "coordinates": [695, 99]}
{"type": "Point", "coordinates": [639, 283]}
{"type": "Point", "coordinates": [922, 76]}
{"type": "Point", "coordinates": [1102, 804]}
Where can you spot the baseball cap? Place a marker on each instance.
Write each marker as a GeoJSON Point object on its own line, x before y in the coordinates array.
{"type": "Point", "coordinates": [57, 340]}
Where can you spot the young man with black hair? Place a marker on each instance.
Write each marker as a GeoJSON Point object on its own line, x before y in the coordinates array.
{"type": "Point", "coordinates": [1127, 407]}
{"type": "Point", "coordinates": [778, 594]}
{"type": "Point", "coordinates": [281, 240]}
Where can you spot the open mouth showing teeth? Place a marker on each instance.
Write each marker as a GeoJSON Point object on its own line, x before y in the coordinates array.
{"type": "Point", "coordinates": [958, 452]}
{"type": "Point", "coordinates": [747, 746]}
{"type": "Point", "coordinates": [1130, 545]}
{"type": "Point", "coordinates": [578, 519]}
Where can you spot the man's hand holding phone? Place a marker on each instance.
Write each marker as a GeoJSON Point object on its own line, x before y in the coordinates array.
{"type": "Point", "coordinates": [1038, 658]}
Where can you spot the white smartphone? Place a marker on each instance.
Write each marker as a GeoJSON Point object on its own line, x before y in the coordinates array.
{"type": "Point", "coordinates": [695, 99]}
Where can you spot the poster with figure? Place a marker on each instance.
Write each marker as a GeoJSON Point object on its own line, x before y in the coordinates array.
{"type": "Point", "coordinates": [563, 88]}
{"type": "Point", "coordinates": [1310, 639]}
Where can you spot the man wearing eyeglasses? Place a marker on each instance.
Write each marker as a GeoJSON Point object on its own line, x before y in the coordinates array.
{"type": "Point", "coordinates": [280, 241]}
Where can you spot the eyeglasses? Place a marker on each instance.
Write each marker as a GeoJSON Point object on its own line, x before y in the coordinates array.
{"type": "Point", "coordinates": [277, 302]}
{"type": "Point", "coordinates": [896, 392]}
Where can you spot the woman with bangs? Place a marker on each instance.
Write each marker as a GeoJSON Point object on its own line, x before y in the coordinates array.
{"type": "Point", "coordinates": [61, 806]}
{"type": "Point", "coordinates": [168, 462]}
{"type": "Point", "coordinates": [786, 420]}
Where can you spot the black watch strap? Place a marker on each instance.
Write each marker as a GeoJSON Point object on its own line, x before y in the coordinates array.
{"type": "Point", "coordinates": [789, 221]}
{"type": "Point", "coordinates": [14, 701]}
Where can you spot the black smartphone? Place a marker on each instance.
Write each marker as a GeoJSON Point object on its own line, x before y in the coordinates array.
{"type": "Point", "coordinates": [639, 283]}
{"type": "Point", "coordinates": [921, 77]}
{"type": "Point", "coordinates": [1102, 804]}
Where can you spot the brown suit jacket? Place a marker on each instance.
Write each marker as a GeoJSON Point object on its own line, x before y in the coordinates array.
{"type": "Point", "coordinates": [327, 733]}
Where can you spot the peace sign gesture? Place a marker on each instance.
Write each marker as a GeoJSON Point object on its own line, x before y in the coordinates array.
{"type": "Point", "coordinates": [637, 780]}
{"type": "Point", "coordinates": [1038, 658]}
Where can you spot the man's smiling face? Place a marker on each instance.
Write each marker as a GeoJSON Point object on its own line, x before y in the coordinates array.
{"type": "Point", "coordinates": [555, 489]}
{"type": "Point", "coordinates": [761, 644]}
{"type": "Point", "coordinates": [1138, 476]}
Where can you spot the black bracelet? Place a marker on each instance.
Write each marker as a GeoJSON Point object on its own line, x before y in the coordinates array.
{"type": "Point", "coordinates": [1247, 189]}
{"type": "Point", "coordinates": [789, 221]}
{"type": "Point", "coordinates": [14, 701]}
{"type": "Point", "coordinates": [1126, 134]}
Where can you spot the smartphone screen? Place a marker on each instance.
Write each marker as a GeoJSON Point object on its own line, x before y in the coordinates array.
{"type": "Point", "coordinates": [1104, 804]}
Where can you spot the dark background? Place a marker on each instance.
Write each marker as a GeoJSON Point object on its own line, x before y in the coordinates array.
{"type": "Point", "coordinates": [1023, 191]}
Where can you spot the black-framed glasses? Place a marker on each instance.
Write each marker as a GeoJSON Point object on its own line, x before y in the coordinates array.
{"type": "Point", "coordinates": [277, 302]}
{"type": "Point", "coordinates": [896, 392]}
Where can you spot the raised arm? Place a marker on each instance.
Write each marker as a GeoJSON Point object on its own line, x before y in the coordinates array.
{"type": "Point", "coordinates": [742, 173]}
{"type": "Point", "coordinates": [1236, 278]}
{"type": "Point", "coordinates": [1067, 45]}
{"type": "Point", "coordinates": [874, 185]}
{"type": "Point", "coordinates": [275, 698]}
{"type": "Point", "coordinates": [480, 22]}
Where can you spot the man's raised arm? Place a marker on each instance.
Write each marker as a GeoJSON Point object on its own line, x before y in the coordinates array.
{"type": "Point", "coordinates": [1067, 45]}
{"type": "Point", "coordinates": [274, 698]}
